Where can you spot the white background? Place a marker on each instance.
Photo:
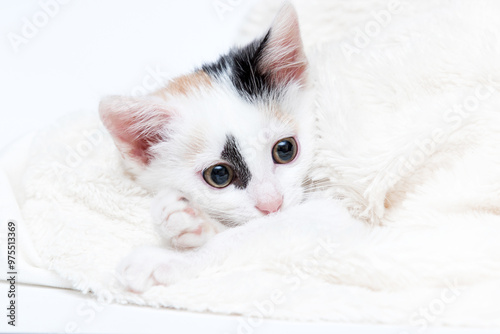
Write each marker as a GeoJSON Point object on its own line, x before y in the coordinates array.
{"type": "Point", "coordinates": [90, 49]}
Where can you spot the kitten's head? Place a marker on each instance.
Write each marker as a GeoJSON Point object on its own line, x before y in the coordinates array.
{"type": "Point", "coordinates": [233, 136]}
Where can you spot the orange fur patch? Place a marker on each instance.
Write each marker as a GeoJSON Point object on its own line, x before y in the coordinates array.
{"type": "Point", "coordinates": [186, 84]}
{"type": "Point", "coordinates": [274, 111]}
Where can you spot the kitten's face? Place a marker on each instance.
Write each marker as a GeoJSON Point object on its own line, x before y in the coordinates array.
{"type": "Point", "coordinates": [232, 136]}
{"type": "Point", "coordinates": [234, 158]}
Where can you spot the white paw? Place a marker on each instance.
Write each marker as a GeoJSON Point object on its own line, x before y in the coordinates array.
{"type": "Point", "coordinates": [182, 226]}
{"type": "Point", "coordinates": [146, 267]}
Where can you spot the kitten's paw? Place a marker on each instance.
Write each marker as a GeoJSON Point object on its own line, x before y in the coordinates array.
{"type": "Point", "coordinates": [182, 226]}
{"type": "Point", "coordinates": [147, 267]}
{"type": "Point", "coordinates": [188, 229]}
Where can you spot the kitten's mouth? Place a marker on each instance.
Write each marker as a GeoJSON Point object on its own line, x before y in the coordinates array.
{"type": "Point", "coordinates": [269, 208]}
{"type": "Point", "coordinates": [234, 222]}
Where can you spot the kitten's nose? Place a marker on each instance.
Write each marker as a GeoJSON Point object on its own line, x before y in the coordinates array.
{"type": "Point", "coordinates": [270, 205]}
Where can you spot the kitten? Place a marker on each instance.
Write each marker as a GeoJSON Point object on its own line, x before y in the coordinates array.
{"type": "Point", "coordinates": [256, 136]}
{"type": "Point", "coordinates": [222, 145]}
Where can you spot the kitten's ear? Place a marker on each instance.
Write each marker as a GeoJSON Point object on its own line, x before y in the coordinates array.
{"type": "Point", "coordinates": [283, 56]}
{"type": "Point", "coordinates": [135, 124]}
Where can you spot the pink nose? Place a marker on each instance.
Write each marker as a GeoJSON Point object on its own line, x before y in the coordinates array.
{"type": "Point", "coordinates": [270, 206]}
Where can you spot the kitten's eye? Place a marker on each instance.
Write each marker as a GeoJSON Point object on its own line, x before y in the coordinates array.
{"type": "Point", "coordinates": [285, 151]}
{"type": "Point", "coordinates": [218, 176]}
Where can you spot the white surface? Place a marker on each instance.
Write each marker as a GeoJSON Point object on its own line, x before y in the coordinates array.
{"type": "Point", "coordinates": [28, 263]}
{"type": "Point", "coordinates": [68, 311]}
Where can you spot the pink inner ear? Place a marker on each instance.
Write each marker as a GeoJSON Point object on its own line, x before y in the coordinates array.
{"type": "Point", "coordinates": [135, 125]}
{"type": "Point", "coordinates": [284, 55]}
{"type": "Point", "coordinates": [137, 141]}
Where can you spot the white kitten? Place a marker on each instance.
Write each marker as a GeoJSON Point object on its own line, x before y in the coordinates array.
{"type": "Point", "coordinates": [228, 143]}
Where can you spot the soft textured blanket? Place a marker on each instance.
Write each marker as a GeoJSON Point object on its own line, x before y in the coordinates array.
{"type": "Point", "coordinates": [84, 214]}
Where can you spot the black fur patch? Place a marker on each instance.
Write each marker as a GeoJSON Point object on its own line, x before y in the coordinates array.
{"type": "Point", "coordinates": [231, 154]}
{"type": "Point", "coordinates": [241, 64]}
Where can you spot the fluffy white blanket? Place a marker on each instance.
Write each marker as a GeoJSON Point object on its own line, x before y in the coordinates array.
{"type": "Point", "coordinates": [84, 214]}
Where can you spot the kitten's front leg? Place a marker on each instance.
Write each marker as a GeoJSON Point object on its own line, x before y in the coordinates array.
{"type": "Point", "coordinates": [184, 228]}
{"type": "Point", "coordinates": [149, 266]}
{"type": "Point", "coordinates": [182, 225]}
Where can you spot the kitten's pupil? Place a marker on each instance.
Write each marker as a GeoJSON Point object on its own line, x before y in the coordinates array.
{"type": "Point", "coordinates": [285, 151]}
{"type": "Point", "coordinates": [220, 175]}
